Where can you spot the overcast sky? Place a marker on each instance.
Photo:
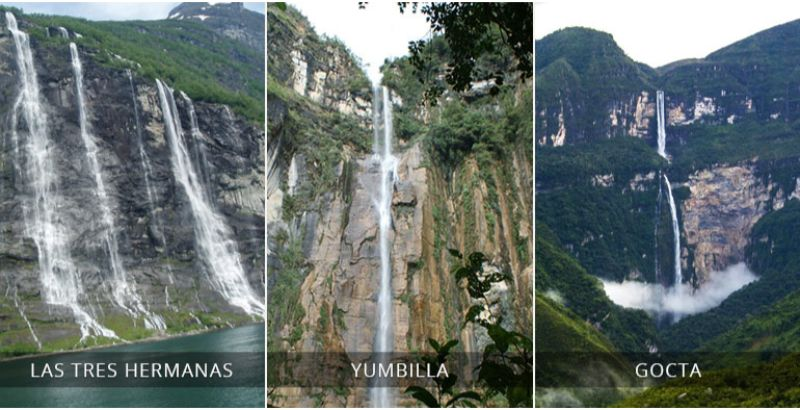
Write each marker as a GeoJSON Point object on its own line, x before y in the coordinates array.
{"type": "Point", "coordinates": [110, 11]}
{"type": "Point", "coordinates": [372, 34]}
{"type": "Point", "coordinates": [657, 33]}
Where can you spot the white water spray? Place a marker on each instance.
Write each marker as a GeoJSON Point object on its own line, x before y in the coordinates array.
{"type": "Point", "coordinates": [676, 233]}
{"type": "Point", "coordinates": [662, 132]}
{"type": "Point", "coordinates": [61, 283]}
{"type": "Point", "coordinates": [382, 130]}
{"type": "Point", "coordinates": [123, 291]}
{"type": "Point", "coordinates": [213, 236]}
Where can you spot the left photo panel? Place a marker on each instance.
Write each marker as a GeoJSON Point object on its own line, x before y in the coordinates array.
{"type": "Point", "coordinates": [132, 205]}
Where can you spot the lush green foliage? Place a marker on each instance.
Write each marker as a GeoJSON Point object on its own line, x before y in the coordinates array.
{"type": "Point", "coordinates": [767, 386]}
{"type": "Point", "coordinates": [476, 34]}
{"type": "Point", "coordinates": [629, 330]}
{"type": "Point", "coordinates": [705, 145]}
{"type": "Point", "coordinates": [444, 395]}
{"type": "Point", "coordinates": [609, 229]}
{"type": "Point", "coordinates": [284, 296]}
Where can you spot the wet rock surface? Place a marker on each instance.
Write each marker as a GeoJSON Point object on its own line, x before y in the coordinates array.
{"type": "Point", "coordinates": [155, 234]}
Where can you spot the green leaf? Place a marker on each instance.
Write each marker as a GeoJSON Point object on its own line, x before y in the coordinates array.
{"type": "Point", "coordinates": [434, 344]}
{"type": "Point", "coordinates": [500, 337]}
{"type": "Point", "coordinates": [472, 313]}
{"type": "Point", "coordinates": [455, 253]}
{"type": "Point", "coordinates": [520, 396]}
{"type": "Point", "coordinates": [447, 346]}
{"type": "Point", "coordinates": [423, 396]}
{"type": "Point", "coordinates": [464, 396]}
{"type": "Point", "coordinates": [477, 259]}
{"type": "Point", "coordinates": [463, 272]}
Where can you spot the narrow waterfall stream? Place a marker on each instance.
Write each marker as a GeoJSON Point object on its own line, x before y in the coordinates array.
{"type": "Point", "coordinates": [124, 292]}
{"type": "Point", "coordinates": [382, 131]}
{"type": "Point", "coordinates": [662, 144]}
{"type": "Point", "coordinates": [676, 233]}
{"type": "Point", "coordinates": [61, 282]}
{"type": "Point", "coordinates": [147, 169]}
{"type": "Point", "coordinates": [215, 246]}
{"type": "Point", "coordinates": [662, 130]}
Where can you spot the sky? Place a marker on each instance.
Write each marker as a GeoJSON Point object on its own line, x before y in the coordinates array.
{"type": "Point", "coordinates": [110, 11]}
{"type": "Point", "coordinates": [657, 33]}
{"type": "Point", "coordinates": [372, 34]}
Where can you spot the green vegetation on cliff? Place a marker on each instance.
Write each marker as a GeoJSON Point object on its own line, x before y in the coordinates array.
{"type": "Point", "coordinates": [188, 55]}
{"type": "Point", "coordinates": [630, 330]}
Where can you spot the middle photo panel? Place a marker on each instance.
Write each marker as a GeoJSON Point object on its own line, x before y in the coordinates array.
{"type": "Point", "coordinates": [399, 205]}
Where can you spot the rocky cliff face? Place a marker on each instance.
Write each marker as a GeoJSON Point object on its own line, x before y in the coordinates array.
{"type": "Point", "coordinates": [231, 20]}
{"type": "Point", "coordinates": [728, 139]}
{"type": "Point", "coordinates": [155, 224]}
{"type": "Point", "coordinates": [323, 230]}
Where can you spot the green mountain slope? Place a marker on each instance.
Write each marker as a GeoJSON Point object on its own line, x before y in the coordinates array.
{"type": "Point", "coordinates": [629, 330]}
{"type": "Point", "coordinates": [768, 386]}
{"type": "Point", "coordinates": [581, 72]}
{"type": "Point", "coordinates": [189, 55]}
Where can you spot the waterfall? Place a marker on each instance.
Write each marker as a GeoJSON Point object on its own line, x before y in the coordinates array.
{"type": "Point", "coordinates": [676, 232]}
{"type": "Point", "coordinates": [123, 292]}
{"type": "Point", "coordinates": [658, 222]}
{"type": "Point", "coordinates": [25, 318]}
{"type": "Point", "coordinates": [384, 336]}
{"type": "Point", "coordinates": [61, 282]}
{"type": "Point", "coordinates": [64, 33]}
{"type": "Point", "coordinates": [198, 149]}
{"type": "Point", "coordinates": [147, 169]}
{"type": "Point", "coordinates": [662, 132]}
{"type": "Point", "coordinates": [213, 236]}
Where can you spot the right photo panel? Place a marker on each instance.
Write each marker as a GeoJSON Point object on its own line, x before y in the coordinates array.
{"type": "Point", "coordinates": [399, 204]}
{"type": "Point", "coordinates": [667, 192]}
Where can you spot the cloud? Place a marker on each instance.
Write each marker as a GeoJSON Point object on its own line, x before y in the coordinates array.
{"type": "Point", "coordinates": [682, 300]}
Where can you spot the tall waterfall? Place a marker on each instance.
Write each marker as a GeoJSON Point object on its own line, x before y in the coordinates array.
{"type": "Point", "coordinates": [61, 282]}
{"type": "Point", "coordinates": [123, 291]}
{"type": "Point", "coordinates": [382, 130]}
{"type": "Point", "coordinates": [662, 132]}
{"type": "Point", "coordinates": [213, 236]}
{"type": "Point", "coordinates": [676, 232]}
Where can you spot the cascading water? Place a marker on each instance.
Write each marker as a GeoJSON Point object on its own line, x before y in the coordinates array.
{"type": "Point", "coordinates": [61, 283]}
{"type": "Point", "coordinates": [198, 149]}
{"type": "Point", "coordinates": [213, 236]}
{"type": "Point", "coordinates": [147, 169]}
{"type": "Point", "coordinates": [382, 131]}
{"type": "Point", "coordinates": [123, 291]}
{"type": "Point", "coordinates": [662, 132]}
{"type": "Point", "coordinates": [676, 233]}
{"type": "Point", "coordinates": [64, 33]}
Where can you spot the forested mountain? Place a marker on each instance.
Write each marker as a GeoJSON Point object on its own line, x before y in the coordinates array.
{"type": "Point", "coordinates": [619, 143]}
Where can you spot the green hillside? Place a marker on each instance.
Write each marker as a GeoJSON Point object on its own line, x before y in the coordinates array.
{"type": "Point", "coordinates": [188, 55]}
{"type": "Point", "coordinates": [629, 330]}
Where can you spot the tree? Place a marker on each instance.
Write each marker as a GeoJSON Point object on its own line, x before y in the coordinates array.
{"type": "Point", "coordinates": [471, 31]}
{"type": "Point", "coordinates": [506, 366]}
